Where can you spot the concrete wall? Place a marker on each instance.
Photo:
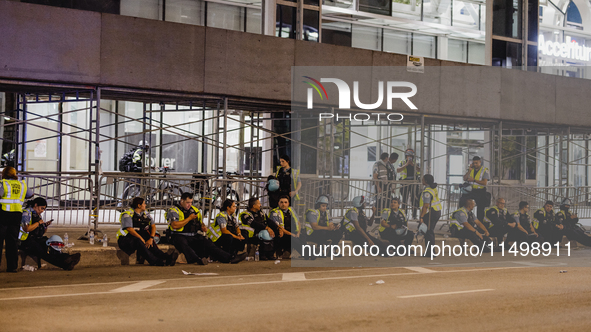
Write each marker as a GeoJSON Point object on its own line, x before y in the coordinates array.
{"type": "Point", "coordinates": [52, 44]}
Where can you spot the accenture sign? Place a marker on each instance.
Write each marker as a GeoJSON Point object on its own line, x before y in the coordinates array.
{"type": "Point", "coordinates": [570, 50]}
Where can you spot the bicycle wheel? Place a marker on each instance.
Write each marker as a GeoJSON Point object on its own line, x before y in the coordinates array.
{"type": "Point", "coordinates": [129, 193]}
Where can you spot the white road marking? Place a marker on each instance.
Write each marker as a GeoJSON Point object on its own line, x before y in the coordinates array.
{"type": "Point", "coordinates": [447, 293]}
{"type": "Point", "coordinates": [138, 286]}
{"type": "Point", "coordinates": [297, 276]}
{"type": "Point", "coordinates": [420, 269]}
{"type": "Point", "coordinates": [252, 283]}
{"type": "Point", "coordinates": [532, 264]}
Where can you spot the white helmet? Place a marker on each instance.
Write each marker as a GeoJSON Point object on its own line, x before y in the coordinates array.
{"type": "Point", "coordinates": [358, 201]}
{"type": "Point", "coordinates": [145, 145]}
{"type": "Point", "coordinates": [322, 199]}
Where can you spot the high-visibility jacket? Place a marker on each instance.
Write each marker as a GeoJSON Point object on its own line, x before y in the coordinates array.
{"type": "Point", "coordinates": [294, 217]}
{"type": "Point", "coordinates": [244, 226]}
{"type": "Point", "coordinates": [214, 231]}
{"type": "Point", "coordinates": [137, 222]}
{"type": "Point", "coordinates": [478, 177]}
{"type": "Point", "coordinates": [404, 173]}
{"type": "Point", "coordinates": [309, 229]}
{"type": "Point", "coordinates": [347, 222]}
{"type": "Point", "coordinates": [547, 217]}
{"type": "Point", "coordinates": [14, 195]}
{"type": "Point", "coordinates": [22, 235]}
{"type": "Point", "coordinates": [455, 223]}
{"type": "Point", "coordinates": [295, 177]}
{"type": "Point", "coordinates": [182, 217]}
{"type": "Point", "coordinates": [435, 202]}
{"type": "Point", "coordinates": [404, 222]}
{"type": "Point", "coordinates": [489, 222]}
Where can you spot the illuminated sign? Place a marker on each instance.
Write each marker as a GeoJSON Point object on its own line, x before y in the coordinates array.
{"type": "Point", "coordinates": [570, 50]}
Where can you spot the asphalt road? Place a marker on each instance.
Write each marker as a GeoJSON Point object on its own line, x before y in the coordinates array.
{"type": "Point", "coordinates": [263, 296]}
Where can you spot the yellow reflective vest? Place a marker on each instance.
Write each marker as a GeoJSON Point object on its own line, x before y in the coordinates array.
{"type": "Point", "coordinates": [294, 217]}
{"type": "Point", "coordinates": [14, 195]}
{"type": "Point", "coordinates": [435, 202]}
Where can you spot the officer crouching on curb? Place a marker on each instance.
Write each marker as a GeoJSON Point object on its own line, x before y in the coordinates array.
{"type": "Point", "coordinates": [318, 226]}
{"type": "Point", "coordinates": [545, 223]}
{"type": "Point", "coordinates": [287, 229]}
{"type": "Point", "coordinates": [133, 237]}
{"type": "Point", "coordinates": [572, 229]}
{"type": "Point", "coordinates": [254, 225]}
{"type": "Point", "coordinates": [463, 225]}
{"type": "Point", "coordinates": [355, 222]}
{"type": "Point", "coordinates": [394, 226]}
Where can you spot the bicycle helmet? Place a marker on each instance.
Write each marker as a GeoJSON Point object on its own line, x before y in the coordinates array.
{"type": "Point", "coordinates": [358, 201]}
{"type": "Point", "coordinates": [273, 185]}
{"type": "Point", "coordinates": [56, 242]}
{"type": "Point", "coordinates": [423, 229]}
{"type": "Point", "coordinates": [401, 231]}
{"type": "Point", "coordinates": [322, 199]}
{"type": "Point", "coordinates": [409, 152]}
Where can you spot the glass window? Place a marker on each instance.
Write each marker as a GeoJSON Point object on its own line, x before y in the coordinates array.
{"type": "Point", "coordinates": [151, 9]}
{"type": "Point", "coordinates": [185, 11]}
{"type": "Point", "coordinates": [397, 41]}
{"type": "Point", "coordinates": [253, 20]}
{"type": "Point", "coordinates": [532, 20]}
{"type": "Point", "coordinates": [285, 22]}
{"type": "Point", "coordinates": [336, 33]}
{"type": "Point", "coordinates": [532, 58]}
{"type": "Point", "coordinates": [311, 25]}
{"type": "Point", "coordinates": [423, 46]}
{"type": "Point", "coordinates": [457, 50]}
{"type": "Point", "coordinates": [506, 54]}
{"type": "Point", "coordinates": [468, 15]}
{"type": "Point", "coordinates": [437, 11]}
{"type": "Point", "coordinates": [225, 17]}
{"type": "Point", "coordinates": [476, 53]}
{"type": "Point", "coordinates": [507, 18]}
{"type": "Point", "coordinates": [366, 37]}
{"type": "Point", "coordinates": [382, 7]}
{"type": "Point", "coordinates": [407, 9]}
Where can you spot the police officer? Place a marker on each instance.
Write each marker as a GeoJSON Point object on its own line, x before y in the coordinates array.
{"type": "Point", "coordinates": [409, 171]}
{"type": "Point", "coordinates": [137, 235]}
{"type": "Point", "coordinates": [287, 228]}
{"type": "Point", "coordinates": [394, 226]}
{"type": "Point", "coordinates": [522, 218]}
{"type": "Point", "coordinates": [138, 154]}
{"type": "Point", "coordinates": [381, 173]}
{"type": "Point", "coordinates": [225, 231]}
{"type": "Point", "coordinates": [572, 229]}
{"type": "Point", "coordinates": [12, 196]}
{"type": "Point", "coordinates": [188, 234]}
{"type": "Point", "coordinates": [430, 206]}
{"type": "Point", "coordinates": [34, 241]}
{"type": "Point", "coordinates": [478, 175]}
{"type": "Point", "coordinates": [497, 222]}
{"type": "Point", "coordinates": [289, 180]}
{"type": "Point", "coordinates": [254, 226]}
{"type": "Point", "coordinates": [319, 229]}
{"type": "Point", "coordinates": [545, 223]}
{"type": "Point", "coordinates": [355, 224]}
{"type": "Point", "coordinates": [464, 223]}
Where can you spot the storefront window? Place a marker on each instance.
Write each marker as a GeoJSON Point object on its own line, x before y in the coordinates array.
{"type": "Point", "coordinates": [336, 33]}
{"type": "Point", "coordinates": [397, 41]}
{"type": "Point", "coordinates": [368, 38]}
{"type": "Point", "coordinates": [286, 21]}
{"type": "Point", "coordinates": [225, 17]}
{"type": "Point", "coordinates": [151, 9]}
{"type": "Point", "coordinates": [507, 18]}
{"type": "Point", "coordinates": [457, 50]}
{"type": "Point", "coordinates": [424, 46]}
{"type": "Point", "coordinates": [185, 11]}
{"type": "Point", "coordinates": [476, 53]}
{"type": "Point", "coordinates": [507, 54]}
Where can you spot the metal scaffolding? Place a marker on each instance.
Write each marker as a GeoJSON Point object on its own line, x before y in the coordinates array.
{"type": "Point", "coordinates": [265, 130]}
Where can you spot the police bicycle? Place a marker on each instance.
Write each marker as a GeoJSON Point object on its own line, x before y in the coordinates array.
{"type": "Point", "coordinates": [207, 198]}
{"type": "Point", "coordinates": [156, 191]}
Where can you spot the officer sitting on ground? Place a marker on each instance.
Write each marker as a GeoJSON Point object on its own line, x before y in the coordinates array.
{"type": "Point", "coordinates": [225, 231]}
{"type": "Point", "coordinates": [287, 228]}
{"type": "Point", "coordinates": [35, 243]}
{"type": "Point", "coordinates": [188, 234]}
{"type": "Point", "coordinates": [545, 223]}
{"type": "Point", "coordinates": [522, 218]}
{"type": "Point", "coordinates": [495, 219]}
{"type": "Point", "coordinates": [319, 229]}
{"type": "Point", "coordinates": [254, 225]}
{"type": "Point", "coordinates": [355, 223]}
{"type": "Point", "coordinates": [572, 229]}
{"type": "Point", "coordinates": [464, 223]}
{"type": "Point", "coordinates": [133, 236]}
{"type": "Point", "coordinates": [394, 226]}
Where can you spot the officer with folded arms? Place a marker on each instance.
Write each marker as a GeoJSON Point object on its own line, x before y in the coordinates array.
{"type": "Point", "coordinates": [137, 235]}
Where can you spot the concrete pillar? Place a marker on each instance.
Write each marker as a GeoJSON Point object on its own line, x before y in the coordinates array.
{"type": "Point", "coordinates": [267, 146]}
{"type": "Point", "coordinates": [442, 48]}
{"type": "Point", "coordinates": [268, 18]}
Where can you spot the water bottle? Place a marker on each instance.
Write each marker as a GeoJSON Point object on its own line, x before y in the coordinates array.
{"type": "Point", "coordinates": [105, 240]}
{"type": "Point", "coordinates": [256, 256]}
{"type": "Point", "coordinates": [66, 240]}
{"type": "Point", "coordinates": [91, 237]}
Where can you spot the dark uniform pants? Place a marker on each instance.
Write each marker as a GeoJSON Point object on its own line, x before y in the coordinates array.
{"type": "Point", "coordinates": [359, 240]}
{"type": "Point", "coordinates": [550, 233]}
{"type": "Point", "coordinates": [231, 245]}
{"type": "Point", "coordinates": [515, 235]}
{"type": "Point", "coordinates": [499, 232]}
{"type": "Point", "coordinates": [465, 233]}
{"type": "Point", "coordinates": [577, 234]}
{"type": "Point", "coordinates": [130, 244]}
{"type": "Point", "coordinates": [481, 198]}
{"type": "Point", "coordinates": [10, 223]}
{"type": "Point", "coordinates": [430, 218]}
{"type": "Point", "coordinates": [322, 236]}
{"type": "Point", "coordinates": [412, 192]}
{"type": "Point", "coordinates": [198, 246]}
{"type": "Point", "coordinates": [38, 248]}
{"type": "Point", "coordinates": [395, 239]}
